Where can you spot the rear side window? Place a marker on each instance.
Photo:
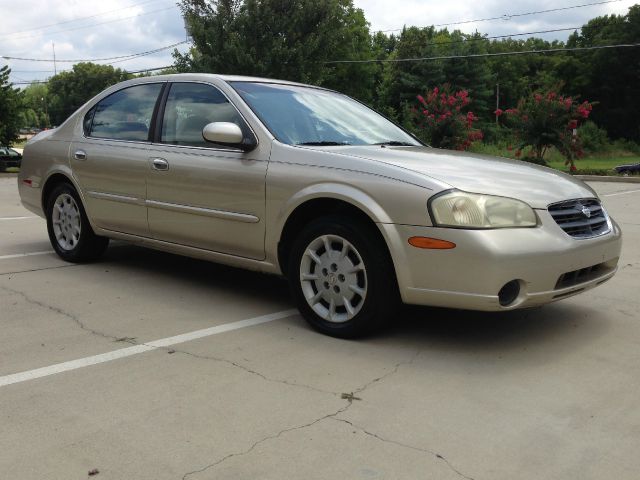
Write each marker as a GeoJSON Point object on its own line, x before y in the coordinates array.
{"type": "Point", "coordinates": [191, 106]}
{"type": "Point", "coordinates": [126, 114]}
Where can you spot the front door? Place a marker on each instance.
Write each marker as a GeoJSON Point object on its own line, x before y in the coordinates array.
{"type": "Point", "coordinates": [201, 194]}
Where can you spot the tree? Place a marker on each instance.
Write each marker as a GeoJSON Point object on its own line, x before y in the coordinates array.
{"type": "Point", "coordinates": [286, 39]}
{"type": "Point", "coordinates": [10, 99]}
{"type": "Point", "coordinates": [402, 79]}
{"type": "Point", "coordinates": [35, 109]}
{"type": "Point", "coordinates": [68, 91]}
{"type": "Point", "coordinates": [443, 120]}
{"type": "Point", "coordinates": [608, 76]}
{"type": "Point", "coordinates": [546, 119]}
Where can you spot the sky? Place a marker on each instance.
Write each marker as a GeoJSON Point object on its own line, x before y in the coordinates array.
{"type": "Point", "coordinates": [89, 29]}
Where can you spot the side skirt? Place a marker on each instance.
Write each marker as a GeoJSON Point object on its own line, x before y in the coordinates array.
{"type": "Point", "coordinates": [193, 252]}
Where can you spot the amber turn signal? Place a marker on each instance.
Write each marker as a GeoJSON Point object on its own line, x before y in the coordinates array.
{"type": "Point", "coordinates": [432, 243]}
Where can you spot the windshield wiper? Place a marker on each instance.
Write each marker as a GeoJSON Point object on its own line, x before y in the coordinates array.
{"type": "Point", "coordinates": [323, 143]}
{"type": "Point", "coordinates": [395, 143]}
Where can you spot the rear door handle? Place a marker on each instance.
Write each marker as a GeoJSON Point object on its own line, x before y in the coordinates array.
{"type": "Point", "coordinates": [159, 164]}
{"type": "Point", "coordinates": [80, 155]}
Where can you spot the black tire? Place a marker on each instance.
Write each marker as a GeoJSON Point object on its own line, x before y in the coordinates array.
{"type": "Point", "coordinates": [88, 246]}
{"type": "Point", "coordinates": [381, 298]}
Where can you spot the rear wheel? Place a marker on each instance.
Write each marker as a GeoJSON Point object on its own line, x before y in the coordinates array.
{"type": "Point", "coordinates": [69, 230]}
{"type": "Point", "coordinates": [342, 277]}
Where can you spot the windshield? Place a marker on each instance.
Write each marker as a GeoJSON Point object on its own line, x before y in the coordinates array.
{"type": "Point", "coordinates": [310, 116]}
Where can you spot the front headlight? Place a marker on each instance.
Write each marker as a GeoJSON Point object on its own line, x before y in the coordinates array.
{"type": "Point", "coordinates": [472, 210]}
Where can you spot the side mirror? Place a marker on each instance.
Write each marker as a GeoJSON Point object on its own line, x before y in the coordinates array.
{"type": "Point", "coordinates": [229, 134]}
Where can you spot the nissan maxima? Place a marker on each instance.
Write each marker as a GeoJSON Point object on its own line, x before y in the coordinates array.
{"type": "Point", "coordinates": [308, 183]}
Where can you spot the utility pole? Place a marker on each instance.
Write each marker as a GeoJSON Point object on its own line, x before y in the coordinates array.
{"type": "Point", "coordinates": [46, 112]}
{"type": "Point", "coordinates": [55, 70]}
{"type": "Point", "coordinates": [497, 99]}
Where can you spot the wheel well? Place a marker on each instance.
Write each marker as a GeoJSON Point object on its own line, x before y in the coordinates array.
{"type": "Point", "coordinates": [52, 182]}
{"type": "Point", "coordinates": [311, 210]}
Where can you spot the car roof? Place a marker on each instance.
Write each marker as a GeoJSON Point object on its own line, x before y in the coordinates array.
{"type": "Point", "coordinates": [176, 77]}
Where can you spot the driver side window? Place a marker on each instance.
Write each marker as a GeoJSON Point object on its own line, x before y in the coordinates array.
{"type": "Point", "coordinates": [191, 106]}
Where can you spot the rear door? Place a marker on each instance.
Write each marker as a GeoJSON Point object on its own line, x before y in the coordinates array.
{"type": "Point", "coordinates": [111, 160]}
{"type": "Point", "coordinates": [201, 194]}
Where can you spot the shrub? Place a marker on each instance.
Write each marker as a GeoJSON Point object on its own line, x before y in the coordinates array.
{"type": "Point", "coordinates": [624, 145]}
{"type": "Point", "coordinates": [546, 119]}
{"type": "Point", "coordinates": [443, 120]}
{"type": "Point", "coordinates": [593, 138]}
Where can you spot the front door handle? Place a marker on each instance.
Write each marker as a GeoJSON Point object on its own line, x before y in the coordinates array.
{"type": "Point", "coordinates": [80, 155]}
{"type": "Point", "coordinates": [160, 164]}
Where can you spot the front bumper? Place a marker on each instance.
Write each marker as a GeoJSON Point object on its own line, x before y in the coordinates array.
{"type": "Point", "coordinates": [471, 275]}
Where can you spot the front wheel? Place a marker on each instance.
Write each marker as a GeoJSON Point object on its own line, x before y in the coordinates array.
{"type": "Point", "coordinates": [342, 277]}
{"type": "Point", "coordinates": [69, 230]}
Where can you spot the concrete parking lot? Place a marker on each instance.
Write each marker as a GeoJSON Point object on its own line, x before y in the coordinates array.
{"type": "Point", "coordinates": [147, 365]}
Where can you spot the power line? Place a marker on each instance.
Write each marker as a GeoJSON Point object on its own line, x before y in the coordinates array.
{"type": "Point", "coordinates": [132, 55]}
{"type": "Point", "coordinates": [493, 37]}
{"type": "Point", "coordinates": [151, 69]}
{"type": "Point", "coordinates": [478, 55]}
{"type": "Point", "coordinates": [507, 16]}
{"type": "Point", "coordinates": [149, 52]}
{"type": "Point", "coordinates": [96, 24]}
{"type": "Point", "coordinates": [133, 72]}
{"type": "Point", "coordinates": [42, 27]}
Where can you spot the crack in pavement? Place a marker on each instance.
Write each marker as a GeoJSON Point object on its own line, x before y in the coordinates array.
{"type": "Point", "coordinates": [400, 444]}
{"type": "Point", "coordinates": [265, 439]}
{"type": "Point", "coordinates": [332, 415]}
{"type": "Point", "coordinates": [132, 341]}
{"type": "Point", "coordinates": [59, 311]}
{"type": "Point", "coordinates": [350, 397]}
{"type": "Point", "coordinates": [36, 270]}
{"type": "Point", "coordinates": [250, 371]}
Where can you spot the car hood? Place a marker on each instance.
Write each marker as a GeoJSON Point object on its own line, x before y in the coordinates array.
{"type": "Point", "coordinates": [536, 185]}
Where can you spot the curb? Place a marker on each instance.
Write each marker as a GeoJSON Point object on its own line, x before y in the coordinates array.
{"type": "Point", "coordinates": [605, 178]}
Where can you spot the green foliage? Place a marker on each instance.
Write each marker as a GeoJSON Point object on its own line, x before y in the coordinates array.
{"type": "Point", "coordinates": [609, 77]}
{"type": "Point", "coordinates": [402, 80]}
{"type": "Point", "coordinates": [34, 111]}
{"type": "Point", "coordinates": [294, 40]}
{"type": "Point", "coordinates": [593, 138]}
{"type": "Point", "coordinates": [68, 91]}
{"type": "Point", "coordinates": [289, 40]}
{"type": "Point", "coordinates": [10, 99]}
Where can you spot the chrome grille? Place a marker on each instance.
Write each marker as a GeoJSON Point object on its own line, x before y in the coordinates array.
{"type": "Point", "coordinates": [583, 218]}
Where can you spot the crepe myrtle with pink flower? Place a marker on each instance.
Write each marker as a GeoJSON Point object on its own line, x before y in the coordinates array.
{"type": "Point", "coordinates": [547, 119]}
{"type": "Point", "coordinates": [442, 118]}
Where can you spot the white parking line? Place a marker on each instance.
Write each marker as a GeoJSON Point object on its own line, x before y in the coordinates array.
{"type": "Point", "coordinates": [620, 193]}
{"type": "Point", "coordinates": [134, 350]}
{"type": "Point", "coordinates": [18, 255]}
{"type": "Point", "coordinates": [17, 218]}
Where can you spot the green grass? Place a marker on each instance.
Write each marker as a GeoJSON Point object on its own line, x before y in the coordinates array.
{"type": "Point", "coordinates": [602, 163]}
{"type": "Point", "coordinates": [12, 170]}
{"type": "Point", "coordinates": [596, 163]}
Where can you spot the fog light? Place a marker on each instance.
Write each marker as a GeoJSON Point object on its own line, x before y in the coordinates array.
{"type": "Point", "coordinates": [509, 292]}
